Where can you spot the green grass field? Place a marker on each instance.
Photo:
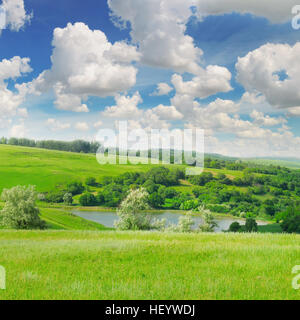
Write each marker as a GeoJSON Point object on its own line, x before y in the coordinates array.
{"type": "Point", "coordinates": [80, 259]}
{"type": "Point", "coordinates": [114, 265]}
{"type": "Point", "coordinates": [47, 169]}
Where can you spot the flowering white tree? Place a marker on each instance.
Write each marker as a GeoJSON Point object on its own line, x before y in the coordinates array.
{"type": "Point", "coordinates": [20, 211]}
{"type": "Point", "coordinates": [131, 212]}
{"type": "Point", "coordinates": [209, 224]}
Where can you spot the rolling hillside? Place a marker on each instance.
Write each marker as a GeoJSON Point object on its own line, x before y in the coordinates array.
{"type": "Point", "coordinates": [47, 168]}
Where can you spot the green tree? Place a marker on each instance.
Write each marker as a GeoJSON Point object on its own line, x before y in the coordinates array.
{"type": "Point", "coordinates": [88, 200]}
{"type": "Point", "coordinates": [68, 199]}
{"type": "Point", "coordinates": [75, 188]}
{"type": "Point", "coordinates": [20, 211]}
{"type": "Point", "coordinates": [91, 182]}
{"type": "Point", "coordinates": [235, 227]}
{"type": "Point", "coordinates": [251, 225]}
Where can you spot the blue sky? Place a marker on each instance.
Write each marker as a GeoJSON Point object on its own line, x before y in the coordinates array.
{"type": "Point", "coordinates": [218, 67]}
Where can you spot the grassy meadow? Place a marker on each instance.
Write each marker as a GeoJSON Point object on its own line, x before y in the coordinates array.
{"type": "Point", "coordinates": [80, 259]}
{"type": "Point", "coordinates": [137, 265]}
{"type": "Point", "coordinates": [48, 169]}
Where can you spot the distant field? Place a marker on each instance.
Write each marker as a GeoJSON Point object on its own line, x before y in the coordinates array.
{"type": "Point", "coordinates": [47, 168]}
{"type": "Point", "coordinates": [114, 265]}
{"type": "Point", "coordinates": [292, 164]}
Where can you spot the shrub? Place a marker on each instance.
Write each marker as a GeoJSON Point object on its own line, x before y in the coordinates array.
{"type": "Point", "coordinates": [55, 197]}
{"type": "Point", "coordinates": [209, 224]}
{"type": "Point", "coordinates": [88, 200]}
{"type": "Point", "coordinates": [291, 224]}
{"type": "Point", "coordinates": [156, 200]}
{"type": "Point", "coordinates": [235, 227]}
{"type": "Point", "coordinates": [186, 223]}
{"type": "Point", "coordinates": [20, 211]}
{"type": "Point", "coordinates": [75, 188]}
{"type": "Point", "coordinates": [91, 182]}
{"type": "Point", "coordinates": [251, 225]}
{"type": "Point", "coordinates": [68, 199]}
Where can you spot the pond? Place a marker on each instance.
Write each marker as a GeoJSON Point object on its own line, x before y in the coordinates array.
{"type": "Point", "coordinates": [108, 218]}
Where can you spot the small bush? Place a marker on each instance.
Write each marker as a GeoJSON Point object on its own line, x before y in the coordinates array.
{"type": "Point", "coordinates": [68, 199]}
{"type": "Point", "coordinates": [235, 227]}
{"type": "Point", "coordinates": [55, 197]}
{"type": "Point", "coordinates": [251, 225]}
{"type": "Point", "coordinates": [88, 200]}
{"type": "Point", "coordinates": [75, 188]}
{"type": "Point", "coordinates": [91, 182]}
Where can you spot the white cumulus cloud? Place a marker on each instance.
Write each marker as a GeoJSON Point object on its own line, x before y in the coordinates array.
{"type": "Point", "coordinates": [274, 71]}
{"type": "Point", "coordinates": [14, 15]}
{"type": "Point", "coordinates": [85, 63]}
{"type": "Point", "coordinates": [276, 11]}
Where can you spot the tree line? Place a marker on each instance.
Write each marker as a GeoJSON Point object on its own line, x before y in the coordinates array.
{"type": "Point", "coordinates": [79, 146]}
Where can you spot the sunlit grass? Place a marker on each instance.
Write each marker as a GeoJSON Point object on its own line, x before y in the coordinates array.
{"type": "Point", "coordinates": [114, 265]}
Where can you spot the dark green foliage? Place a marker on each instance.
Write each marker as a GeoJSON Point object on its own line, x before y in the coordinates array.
{"type": "Point", "coordinates": [79, 146]}
{"type": "Point", "coordinates": [55, 197]}
{"type": "Point", "coordinates": [251, 225]}
{"type": "Point", "coordinates": [75, 188]}
{"type": "Point", "coordinates": [202, 179]}
{"type": "Point", "coordinates": [91, 182]}
{"type": "Point", "coordinates": [235, 227]}
{"type": "Point", "coordinates": [163, 176]}
{"type": "Point", "coordinates": [291, 224]}
{"type": "Point", "coordinates": [88, 200]}
{"type": "Point", "coordinates": [156, 200]}
{"type": "Point", "coordinates": [291, 220]}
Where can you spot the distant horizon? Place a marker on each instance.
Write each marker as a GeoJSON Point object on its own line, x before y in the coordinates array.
{"type": "Point", "coordinates": [206, 153]}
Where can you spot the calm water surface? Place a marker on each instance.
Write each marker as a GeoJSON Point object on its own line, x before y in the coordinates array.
{"type": "Point", "coordinates": [108, 218]}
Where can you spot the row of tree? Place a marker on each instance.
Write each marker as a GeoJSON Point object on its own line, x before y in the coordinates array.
{"type": "Point", "coordinates": [79, 146]}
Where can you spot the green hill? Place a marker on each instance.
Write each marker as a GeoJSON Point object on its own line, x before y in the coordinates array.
{"type": "Point", "coordinates": [47, 168]}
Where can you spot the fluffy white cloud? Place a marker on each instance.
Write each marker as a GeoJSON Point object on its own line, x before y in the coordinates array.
{"type": "Point", "coordinates": [252, 98]}
{"type": "Point", "coordinates": [126, 107]}
{"type": "Point", "coordinates": [274, 71]}
{"type": "Point", "coordinates": [68, 101]}
{"type": "Point", "coordinates": [81, 126]}
{"type": "Point", "coordinates": [158, 27]}
{"type": "Point", "coordinates": [14, 68]}
{"type": "Point", "coordinates": [167, 112]}
{"type": "Point", "coordinates": [209, 82]}
{"type": "Point", "coordinates": [14, 14]}
{"type": "Point", "coordinates": [276, 11]}
{"type": "Point", "coordinates": [85, 63]}
{"type": "Point", "coordinates": [162, 89]}
{"type": "Point", "coordinates": [56, 125]}
{"type": "Point", "coordinates": [267, 121]}
{"type": "Point", "coordinates": [12, 99]}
